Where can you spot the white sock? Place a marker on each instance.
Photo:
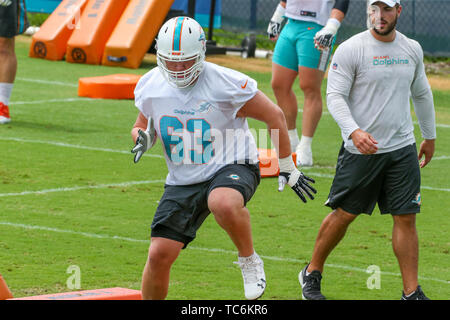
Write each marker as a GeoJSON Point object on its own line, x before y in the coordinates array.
{"type": "Point", "coordinates": [5, 92]}
{"type": "Point", "coordinates": [247, 259]}
{"type": "Point", "coordinates": [305, 142]}
{"type": "Point", "coordinates": [293, 138]}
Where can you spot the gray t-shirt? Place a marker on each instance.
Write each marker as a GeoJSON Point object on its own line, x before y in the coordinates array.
{"type": "Point", "coordinates": [370, 83]}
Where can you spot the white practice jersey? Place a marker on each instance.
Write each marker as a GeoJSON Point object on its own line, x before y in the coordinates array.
{"type": "Point", "coordinates": [197, 126]}
{"type": "Point", "coordinates": [317, 11]}
{"type": "Point", "coordinates": [370, 83]}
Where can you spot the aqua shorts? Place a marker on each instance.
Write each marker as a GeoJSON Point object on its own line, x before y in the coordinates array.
{"type": "Point", "coordinates": [295, 47]}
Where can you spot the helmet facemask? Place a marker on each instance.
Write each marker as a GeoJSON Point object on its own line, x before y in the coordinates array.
{"type": "Point", "coordinates": [183, 78]}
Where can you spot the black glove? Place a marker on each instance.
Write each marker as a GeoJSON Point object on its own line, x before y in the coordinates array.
{"type": "Point", "coordinates": [298, 182]}
{"type": "Point", "coordinates": [274, 28]}
{"type": "Point", "coordinates": [324, 38]}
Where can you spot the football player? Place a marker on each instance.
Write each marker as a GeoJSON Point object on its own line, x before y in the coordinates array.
{"type": "Point", "coordinates": [198, 111]}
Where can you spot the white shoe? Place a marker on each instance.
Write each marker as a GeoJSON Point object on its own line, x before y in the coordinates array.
{"type": "Point", "coordinates": [304, 157]}
{"type": "Point", "coordinates": [252, 269]}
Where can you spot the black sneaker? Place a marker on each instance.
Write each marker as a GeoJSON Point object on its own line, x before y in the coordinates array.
{"type": "Point", "coordinates": [310, 284]}
{"type": "Point", "coordinates": [416, 295]}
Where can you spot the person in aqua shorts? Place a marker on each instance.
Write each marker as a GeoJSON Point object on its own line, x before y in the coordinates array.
{"type": "Point", "coordinates": [303, 49]}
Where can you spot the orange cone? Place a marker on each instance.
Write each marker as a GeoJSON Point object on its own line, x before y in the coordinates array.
{"type": "Point", "coordinates": [4, 290]}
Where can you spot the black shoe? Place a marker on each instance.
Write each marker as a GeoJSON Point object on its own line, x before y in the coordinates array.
{"type": "Point", "coordinates": [416, 295]}
{"type": "Point", "coordinates": [310, 284]}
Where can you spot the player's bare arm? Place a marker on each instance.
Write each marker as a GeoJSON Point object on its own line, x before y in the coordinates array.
{"type": "Point", "coordinates": [141, 123]}
{"type": "Point", "coordinates": [261, 108]}
{"type": "Point", "coordinates": [144, 135]}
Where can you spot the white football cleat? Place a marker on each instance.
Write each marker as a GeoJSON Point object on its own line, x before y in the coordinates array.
{"type": "Point", "coordinates": [304, 156]}
{"type": "Point", "coordinates": [252, 269]}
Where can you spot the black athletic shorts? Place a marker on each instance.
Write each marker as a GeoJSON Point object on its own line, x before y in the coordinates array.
{"type": "Point", "coordinates": [390, 179]}
{"type": "Point", "coordinates": [13, 18]}
{"type": "Point", "coordinates": [183, 209]}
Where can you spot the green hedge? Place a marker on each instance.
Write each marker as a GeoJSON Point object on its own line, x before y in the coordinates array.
{"type": "Point", "coordinates": [37, 19]}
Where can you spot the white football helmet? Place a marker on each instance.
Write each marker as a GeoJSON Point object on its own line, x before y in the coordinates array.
{"type": "Point", "coordinates": [181, 39]}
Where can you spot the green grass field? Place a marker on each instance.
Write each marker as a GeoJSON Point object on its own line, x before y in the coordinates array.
{"type": "Point", "coordinates": [70, 194]}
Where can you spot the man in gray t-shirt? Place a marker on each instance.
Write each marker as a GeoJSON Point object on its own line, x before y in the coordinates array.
{"type": "Point", "coordinates": [370, 82]}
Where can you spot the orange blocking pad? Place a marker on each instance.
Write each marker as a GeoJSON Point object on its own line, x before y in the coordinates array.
{"type": "Point", "coordinates": [5, 293]}
{"type": "Point", "coordinates": [87, 43]}
{"type": "Point", "coordinates": [97, 294]}
{"type": "Point", "coordinates": [115, 86]}
{"type": "Point", "coordinates": [50, 42]}
{"type": "Point", "coordinates": [268, 162]}
{"type": "Point", "coordinates": [135, 32]}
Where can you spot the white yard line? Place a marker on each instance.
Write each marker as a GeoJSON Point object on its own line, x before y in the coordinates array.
{"type": "Point", "coordinates": [438, 125]}
{"type": "Point", "coordinates": [67, 84]}
{"type": "Point", "coordinates": [435, 189]}
{"type": "Point", "coordinates": [52, 101]}
{"type": "Point", "coordinates": [441, 158]}
{"type": "Point", "coordinates": [212, 250]}
{"type": "Point", "coordinates": [84, 234]}
{"type": "Point", "coordinates": [68, 145]}
{"type": "Point", "coordinates": [57, 83]}
{"type": "Point", "coordinates": [132, 183]}
{"type": "Point", "coordinates": [318, 167]}
{"type": "Point", "coordinates": [62, 144]}
{"type": "Point", "coordinates": [320, 175]}
{"type": "Point", "coordinates": [76, 188]}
